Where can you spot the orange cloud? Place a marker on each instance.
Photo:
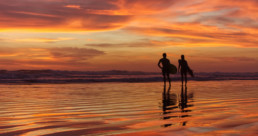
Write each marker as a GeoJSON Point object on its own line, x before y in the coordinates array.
{"type": "Point", "coordinates": [69, 15]}
{"type": "Point", "coordinates": [204, 23]}
{"type": "Point", "coordinates": [92, 15]}
{"type": "Point", "coordinates": [48, 58]}
{"type": "Point", "coordinates": [139, 7]}
{"type": "Point", "coordinates": [192, 34]}
{"type": "Point", "coordinates": [73, 6]}
{"type": "Point", "coordinates": [44, 40]}
{"type": "Point", "coordinates": [140, 43]}
{"type": "Point", "coordinates": [59, 16]}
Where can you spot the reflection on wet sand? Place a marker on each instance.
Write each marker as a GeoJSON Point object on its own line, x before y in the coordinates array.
{"type": "Point", "coordinates": [141, 109]}
{"type": "Point", "coordinates": [171, 101]}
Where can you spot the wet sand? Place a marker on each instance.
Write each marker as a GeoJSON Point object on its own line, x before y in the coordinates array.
{"type": "Point", "coordinates": [124, 109]}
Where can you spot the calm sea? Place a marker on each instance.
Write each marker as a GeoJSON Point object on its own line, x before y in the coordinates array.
{"type": "Point", "coordinates": [227, 108]}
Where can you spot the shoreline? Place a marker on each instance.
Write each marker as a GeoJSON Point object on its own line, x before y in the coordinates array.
{"type": "Point", "coordinates": [63, 82]}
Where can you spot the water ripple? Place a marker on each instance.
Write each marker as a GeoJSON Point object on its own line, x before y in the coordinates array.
{"type": "Point", "coordinates": [129, 109]}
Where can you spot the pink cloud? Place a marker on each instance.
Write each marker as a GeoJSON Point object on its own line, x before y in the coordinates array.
{"type": "Point", "coordinates": [70, 15]}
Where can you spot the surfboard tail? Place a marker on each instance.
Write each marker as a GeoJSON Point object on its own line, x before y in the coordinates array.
{"type": "Point", "coordinates": [190, 72]}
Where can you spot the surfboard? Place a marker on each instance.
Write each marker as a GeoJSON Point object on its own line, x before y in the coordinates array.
{"type": "Point", "coordinates": [190, 72]}
{"type": "Point", "coordinates": [172, 69]}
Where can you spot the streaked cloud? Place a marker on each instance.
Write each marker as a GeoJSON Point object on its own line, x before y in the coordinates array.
{"type": "Point", "coordinates": [68, 58]}
{"type": "Point", "coordinates": [200, 35]}
{"type": "Point", "coordinates": [44, 40]}
{"type": "Point", "coordinates": [73, 6]}
{"type": "Point", "coordinates": [139, 43]}
{"type": "Point", "coordinates": [74, 54]}
{"type": "Point", "coordinates": [79, 15]}
{"type": "Point", "coordinates": [88, 15]}
{"type": "Point", "coordinates": [57, 15]}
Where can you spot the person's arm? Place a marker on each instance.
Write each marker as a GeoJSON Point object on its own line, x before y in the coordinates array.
{"type": "Point", "coordinates": [159, 64]}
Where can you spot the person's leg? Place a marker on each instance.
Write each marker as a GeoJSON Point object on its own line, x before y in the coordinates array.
{"type": "Point", "coordinates": [164, 78]}
{"type": "Point", "coordinates": [169, 79]}
{"type": "Point", "coordinates": [182, 78]}
{"type": "Point", "coordinates": [185, 78]}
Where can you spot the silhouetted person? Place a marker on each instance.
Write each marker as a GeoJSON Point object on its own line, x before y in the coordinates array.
{"type": "Point", "coordinates": [184, 69]}
{"type": "Point", "coordinates": [165, 68]}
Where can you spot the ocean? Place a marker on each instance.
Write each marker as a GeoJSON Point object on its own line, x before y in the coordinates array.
{"type": "Point", "coordinates": [225, 107]}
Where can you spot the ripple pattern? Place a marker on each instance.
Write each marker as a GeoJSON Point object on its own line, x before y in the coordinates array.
{"type": "Point", "coordinates": [201, 108]}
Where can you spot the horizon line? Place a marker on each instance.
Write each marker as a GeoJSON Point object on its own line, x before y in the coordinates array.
{"type": "Point", "coordinates": [115, 70]}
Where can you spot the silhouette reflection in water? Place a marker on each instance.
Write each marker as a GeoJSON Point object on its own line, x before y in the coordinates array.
{"type": "Point", "coordinates": [183, 103]}
{"type": "Point", "coordinates": [172, 102]}
{"type": "Point", "coordinates": [169, 103]}
{"type": "Point", "coordinates": [183, 100]}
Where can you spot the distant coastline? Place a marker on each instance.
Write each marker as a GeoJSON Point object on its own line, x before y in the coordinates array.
{"type": "Point", "coordinates": [56, 76]}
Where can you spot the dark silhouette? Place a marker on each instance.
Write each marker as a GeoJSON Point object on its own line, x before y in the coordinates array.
{"type": "Point", "coordinates": [184, 105]}
{"type": "Point", "coordinates": [183, 101]}
{"type": "Point", "coordinates": [165, 68]}
{"type": "Point", "coordinates": [173, 102]}
{"type": "Point", "coordinates": [184, 69]}
{"type": "Point", "coordinates": [168, 101]}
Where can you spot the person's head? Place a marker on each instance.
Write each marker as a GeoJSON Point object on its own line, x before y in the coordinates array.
{"type": "Point", "coordinates": [164, 55]}
{"type": "Point", "coordinates": [182, 57]}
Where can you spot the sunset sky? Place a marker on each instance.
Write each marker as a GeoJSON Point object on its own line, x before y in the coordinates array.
{"type": "Point", "coordinates": [86, 35]}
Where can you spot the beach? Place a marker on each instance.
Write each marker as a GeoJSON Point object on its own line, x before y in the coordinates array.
{"type": "Point", "coordinates": [227, 107]}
